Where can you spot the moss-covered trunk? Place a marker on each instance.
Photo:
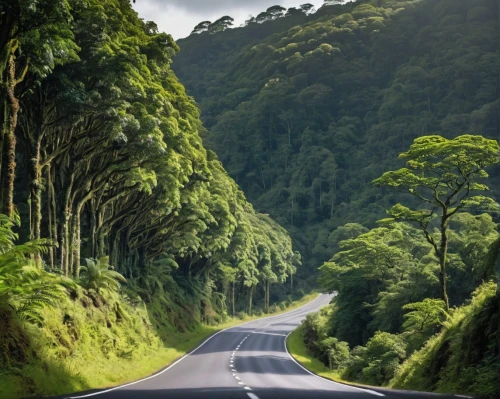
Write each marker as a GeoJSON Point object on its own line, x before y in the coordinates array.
{"type": "Point", "coordinates": [8, 168]}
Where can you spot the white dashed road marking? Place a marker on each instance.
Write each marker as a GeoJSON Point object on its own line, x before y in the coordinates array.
{"type": "Point", "coordinates": [184, 357]}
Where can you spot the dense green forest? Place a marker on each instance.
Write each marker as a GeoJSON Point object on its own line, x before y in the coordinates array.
{"type": "Point", "coordinates": [308, 112]}
{"type": "Point", "coordinates": [364, 135]}
{"type": "Point", "coordinates": [118, 226]}
{"type": "Point", "coordinates": [395, 283]}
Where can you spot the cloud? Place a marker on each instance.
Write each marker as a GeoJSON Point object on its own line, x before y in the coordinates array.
{"type": "Point", "coordinates": [204, 7]}
{"type": "Point", "coordinates": [179, 17]}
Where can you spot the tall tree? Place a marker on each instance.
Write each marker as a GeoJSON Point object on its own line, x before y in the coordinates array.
{"type": "Point", "coordinates": [307, 8]}
{"type": "Point", "coordinates": [34, 37]}
{"type": "Point", "coordinates": [443, 176]}
{"type": "Point", "coordinates": [221, 24]}
{"type": "Point", "coordinates": [276, 11]}
{"type": "Point", "coordinates": [201, 27]}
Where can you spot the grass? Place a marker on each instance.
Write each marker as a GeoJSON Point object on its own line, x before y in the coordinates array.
{"type": "Point", "coordinates": [100, 348]}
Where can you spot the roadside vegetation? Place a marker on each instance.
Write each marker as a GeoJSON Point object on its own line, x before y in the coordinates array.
{"type": "Point", "coordinates": [418, 307]}
{"type": "Point", "coordinates": [122, 239]}
{"type": "Point", "coordinates": [61, 335]}
{"type": "Point", "coordinates": [306, 109]}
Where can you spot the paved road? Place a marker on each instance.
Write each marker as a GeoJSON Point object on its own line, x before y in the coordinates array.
{"type": "Point", "coordinates": [247, 362]}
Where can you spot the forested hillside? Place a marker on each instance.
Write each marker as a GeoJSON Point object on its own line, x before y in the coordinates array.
{"type": "Point", "coordinates": [331, 120]}
{"type": "Point", "coordinates": [119, 230]}
{"type": "Point", "coordinates": [305, 111]}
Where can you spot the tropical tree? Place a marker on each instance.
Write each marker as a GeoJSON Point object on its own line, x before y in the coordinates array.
{"type": "Point", "coordinates": [263, 17]}
{"type": "Point", "coordinates": [424, 315]}
{"type": "Point", "coordinates": [443, 175]}
{"type": "Point", "coordinates": [35, 37]}
{"type": "Point", "coordinates": [276, 12]}
{"type": "Point", "coordinates": [307, 8]}
{"type": "Point", "coordinates": [221, 24]}
{"type": "Point", "coordinates": [201, 27]}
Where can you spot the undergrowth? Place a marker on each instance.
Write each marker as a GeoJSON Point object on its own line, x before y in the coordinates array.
{"type": "Point", "coordinates": [89, 342]}
{"type": "Point", "coordinates": [463, 357]}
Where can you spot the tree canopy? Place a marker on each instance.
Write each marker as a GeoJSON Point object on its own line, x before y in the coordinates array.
{"type": "Point", "coordinates": [306, 110]}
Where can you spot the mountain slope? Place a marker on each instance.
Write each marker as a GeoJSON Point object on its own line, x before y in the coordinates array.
{"type": "Point", "coordinates": [306, 118]}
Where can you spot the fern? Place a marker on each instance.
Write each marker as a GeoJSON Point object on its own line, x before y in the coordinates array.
{"type": "Point", "coordinates": [24, 290]}
{"type": "Point", "coordinates": [98, 275]}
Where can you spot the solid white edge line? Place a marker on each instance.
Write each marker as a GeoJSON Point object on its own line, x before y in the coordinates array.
{"type": "Point", "coordinates": [326, 379]}
{"type": "Point", "coordinates": [186, 355]}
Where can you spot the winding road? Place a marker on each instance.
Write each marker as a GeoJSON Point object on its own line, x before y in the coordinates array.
{"type": "Point", "coordinates": [249, 361]}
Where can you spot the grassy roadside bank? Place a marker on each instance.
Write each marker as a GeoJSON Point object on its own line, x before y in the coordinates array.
{"type": "Point", "coordinates": [101, 356]}
{"type": "Point", "coordinates": [298, 350]}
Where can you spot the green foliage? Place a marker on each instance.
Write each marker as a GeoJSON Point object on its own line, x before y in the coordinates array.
{"type": "Point", "coordinates": [423, 320]}
{"type": "Point", "coordinates": [25, 291]}
{"type": "Point", "coordinates": [23, 287]}
{"type": "Point", "coordinates": [377, 362]}
{"type": "Point", "coordinates": [443, 175]}
{"type": "Point", "coordinates": [119, 168]}
{"type": "Point", "coordinates": [462, 357]}
{"type": "Point", "coordinates": [99, 276]}
{"type": "Point", "coordinates": [390, 265]}
{"type": "Point", "coordinates": [110, 160]}
{"type": "Point", "coordinates": [305, 111]}
{"type": "Point", "coordinates": [374, 274]}
{"type": "Point", "coordinates": [337, 352]}
{"type": "Point", "coordinates": [424, 315]}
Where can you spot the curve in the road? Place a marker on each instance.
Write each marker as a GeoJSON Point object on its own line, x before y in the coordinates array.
{"type": "Point", "coordinates": [247, 361]}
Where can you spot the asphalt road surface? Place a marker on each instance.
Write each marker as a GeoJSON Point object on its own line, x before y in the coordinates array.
{"type": "Point", "coordinates": [247, 362]}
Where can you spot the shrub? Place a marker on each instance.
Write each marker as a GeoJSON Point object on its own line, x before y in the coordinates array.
{"type": "Point", "coordinates": [24, 290]}
{"type": "Point", "coordinates": [377, 362]}
{"type": "Point", "coordinates": [336, 351]}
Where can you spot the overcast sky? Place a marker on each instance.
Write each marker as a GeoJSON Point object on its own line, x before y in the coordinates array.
{"type": "Point", "coordinates": [179, 17]}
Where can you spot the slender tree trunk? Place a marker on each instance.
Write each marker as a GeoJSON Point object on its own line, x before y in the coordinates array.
{"type": "Point", "coordinates": [250, 297]}
{"type": "Point", "coordinates": [9, 142]}
{"type": "Point", "coordinates": [77, 231]}
{"type": "Point", "coordinates": [50, 217]}
{"type": "Point", "coordinates": [93, 226]}
{"type": "Point", "coordinates": [36, 198]}
{"type": "Point", "coordinates": [442, 263]}
{"type": "Point", "coordinates": [75, 245]}
{"type": "Point", "coordinates": [268, 295]}
{"type": "Point", "coordinates": [65, 230]}
{"type": "Point", "coordinates": [65, 243]}
{"type": "Point", "coordinates": [36, 195]}
{"type": "Point", "coordinates": [54, 223]}
{"type": "Point", "coordinates": [232, 300]}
